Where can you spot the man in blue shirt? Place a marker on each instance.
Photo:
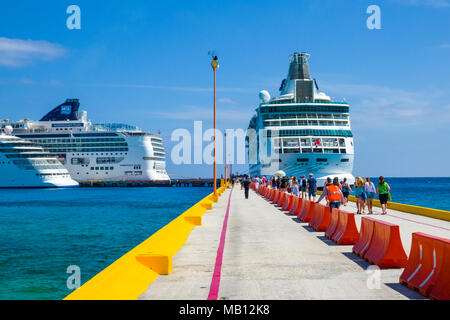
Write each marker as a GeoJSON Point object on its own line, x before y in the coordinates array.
{"type": "Point", "coordinates": [312, 187]}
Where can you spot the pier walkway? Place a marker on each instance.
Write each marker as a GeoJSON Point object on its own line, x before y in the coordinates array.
{"type": "Point", "coordinates": [269, 254]}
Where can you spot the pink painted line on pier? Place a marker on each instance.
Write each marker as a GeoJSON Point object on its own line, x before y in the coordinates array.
{"type": "Point", "coordinates": [422, 223]}
{"type": "Point", "coordinates": [215, 282]}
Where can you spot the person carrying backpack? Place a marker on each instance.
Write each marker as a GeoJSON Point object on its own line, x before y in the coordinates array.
{"type": "Point", "coordinates": [304, 186]}
{"type": "Point", "coordinates": [312, 187]}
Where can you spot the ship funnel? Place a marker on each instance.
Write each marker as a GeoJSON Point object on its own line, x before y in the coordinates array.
{"type": "Point", "coordinates": [299, 83]}
{"type": "Point", "coordinates": [299, 68]}
{"type": "Point", "coordinates": [65, 111]}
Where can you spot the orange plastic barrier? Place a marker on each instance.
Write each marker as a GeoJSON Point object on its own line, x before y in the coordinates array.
{"type": "Point", "coordinates": [252, 185]}
{"type": "Point", "coordinates": [307, 211]}
{"type": "Point", "coordinates": [288, 202]}
{"type": "Point", "coordinates": [294, 204]}
{"type": "Point", "coordinates": [281, 199]}
{"type": "Point", "coordinates": [334, 220]}
{"type": "Point", "coordinates": [346, 231]}
{"type": "Point", "coordinates": [323, 218]}
{"type": "Point", "coordinates": [428, 267]}
{"type": "Point", "coordinates": [386, 249]}
{"type": "Point", "coordinates": [365, 236]}
{"type": "Point", "coordinates": [276, 196]}
{"type": "Point", "coordinates": [301, 204]}
{"type": "Point", "coordinates": [317, 216]}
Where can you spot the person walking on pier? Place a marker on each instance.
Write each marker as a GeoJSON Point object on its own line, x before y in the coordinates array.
{"type": "Point", "coordinates": [333, 194]}
{"type": "Point", "coordinates": [359, 190]}
{"type": "Point", "coordinates": [246, 184]}
{"type": "Point", "coordinates": [383, 193]}
{"type": "Point", "coordinates": [283, 184]}
{"type": "Point", "coordinates": [257, 182]}
{"type": "Point", "coordinates": [295, 187]}
{"type": "Point", "coordinates": [369, 189]}
{"type": "Point", "coordinates": [312, 187]}
{"type": "Point", "coordinates": [346, 190]}
{"type": "Point", "coordinates": [304, 186]}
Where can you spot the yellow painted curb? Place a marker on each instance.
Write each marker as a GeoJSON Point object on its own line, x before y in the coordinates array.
{"type": "Point", "coordinates": [129, 276]}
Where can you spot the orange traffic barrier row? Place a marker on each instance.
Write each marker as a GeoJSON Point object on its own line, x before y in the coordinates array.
{"type": "Point", "coordinates": [306, 211]}
{"type": "Point", "coordinates": [290, 203]}
{"type": "Point", "coordinates": [321, 217]}
{"type": "Point", "coordinates": [380, 244]}
{"type": "Point", "coordinates": [428, 267]}
{"type": "Point", "coordinates": [295, 209]}
{"type": "Point", "coordinates": [294, 204]}
{"type": "Point", "coordinates": [333, 223]}
{"type": "Point", "coordinates": [277, 196]}
{"type": "Point", "coordinates": [365, 236]}
{"type": "Point", "coordinates": [346, 231]}
{"type": "Point", "coordinates": [281, 199]}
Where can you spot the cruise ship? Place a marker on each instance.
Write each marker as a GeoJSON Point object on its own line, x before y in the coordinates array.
{"type": "Point", "coordinates": [24, 164]}
{"type": "Point", "coordinates": [96, 152]}
{"type": "Point", "coordinates": [306, 131]}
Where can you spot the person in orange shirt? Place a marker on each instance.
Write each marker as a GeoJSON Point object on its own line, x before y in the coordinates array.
{"type": "Point", "coordinates": [333, 194]}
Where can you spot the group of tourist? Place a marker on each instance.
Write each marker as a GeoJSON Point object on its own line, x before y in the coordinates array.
{"type": "Point", "coordinates": [336, 192]}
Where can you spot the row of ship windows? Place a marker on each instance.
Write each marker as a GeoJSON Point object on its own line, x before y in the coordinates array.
{"type": "Point", "coordinates": [310, 150]}
{"type": "Point", "coordinates": [305, 123]}
{"type": "Point", "coordinates": [307, 108]}
{"type": "Point", "coordinates": [316, 116]}
{"type": "Point", "coordinates": [39, 167]}
{"type": "Point", "coordinates": [51, 174]}
{"type": "Point", "coordinates": [102, 168]}
{"type": "Point", "coordinates": [100, 160]}
{"type": "Point", "coordinates": [303, 160]}
{"type": "Point", "coordinates": [307, 132]}
{"type": "Point", "coordinates": [59, 140]}
{"type": "Point", "coordinates": [308, 142]}
{"type": "Point", "coordinates": [88, 150]}
{"type": "Point", "coordinates": [84, 145]}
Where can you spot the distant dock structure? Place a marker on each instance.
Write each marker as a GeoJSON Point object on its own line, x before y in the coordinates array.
{"type": "Point", "coordinates": [195, 183]}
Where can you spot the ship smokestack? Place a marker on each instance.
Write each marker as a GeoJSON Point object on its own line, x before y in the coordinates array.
{"type": "Point", "coordinates": [299, 82]}
{"type": "Point", "coordinates": [299, 68]}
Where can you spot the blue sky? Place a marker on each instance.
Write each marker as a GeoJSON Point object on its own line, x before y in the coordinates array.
{"type": "Point", "coordinates": [146, 63]}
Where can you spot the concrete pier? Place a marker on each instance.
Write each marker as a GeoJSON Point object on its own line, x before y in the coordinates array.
{"type": "Point", "coordinates": [269, 254]}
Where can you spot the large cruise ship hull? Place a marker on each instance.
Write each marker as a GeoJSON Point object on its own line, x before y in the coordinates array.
{"type": "Point", "coordinates": [333, 167]}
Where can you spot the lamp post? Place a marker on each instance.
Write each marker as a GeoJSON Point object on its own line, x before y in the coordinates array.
{"type": "Point", "coordinates": [226, 177]}
{"type": "Point", "coordinates": [215, 65]}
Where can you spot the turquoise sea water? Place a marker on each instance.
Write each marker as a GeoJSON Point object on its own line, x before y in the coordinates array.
{"type": "Point", "coordinates": [43, 231]}
{"type": "Point", "coordinates": [423, 192]}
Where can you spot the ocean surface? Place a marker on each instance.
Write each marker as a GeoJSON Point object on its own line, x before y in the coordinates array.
{"type": "Point", "coordinates": [42, 232]}
{"type": "Point", "coordinates": [424, 192]}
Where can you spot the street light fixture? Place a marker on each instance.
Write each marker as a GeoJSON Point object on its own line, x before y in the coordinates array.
{"type": "Point", "coordinates": [215, 65]}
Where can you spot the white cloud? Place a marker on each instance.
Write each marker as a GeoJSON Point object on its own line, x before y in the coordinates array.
{"type": "Point", "coordinates": [227, 101]}
{"type": "Point", "coordinates": [18, 52]}
{"type": "Point", "coordinates": [390, 106]}
{"type": "Point", "coordinates": [189, 112]}
{"type": "Point", "coordinates": [174, 88]}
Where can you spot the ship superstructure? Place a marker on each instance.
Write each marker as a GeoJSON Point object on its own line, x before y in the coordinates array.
{"type": "Point", "coordinates": [306, 130]}
{"type": "Point", "coordinates": [100, 152]}
{"type": "Point", "coordinates": [25, 164]}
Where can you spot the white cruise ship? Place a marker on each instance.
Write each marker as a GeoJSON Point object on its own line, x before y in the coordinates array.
{"type": "Point", "coordinates": [305, 129]}
{"type": "Point", "coordinates": [24, 164]}
{"type": "Point", "coordinates": [96, 152]}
